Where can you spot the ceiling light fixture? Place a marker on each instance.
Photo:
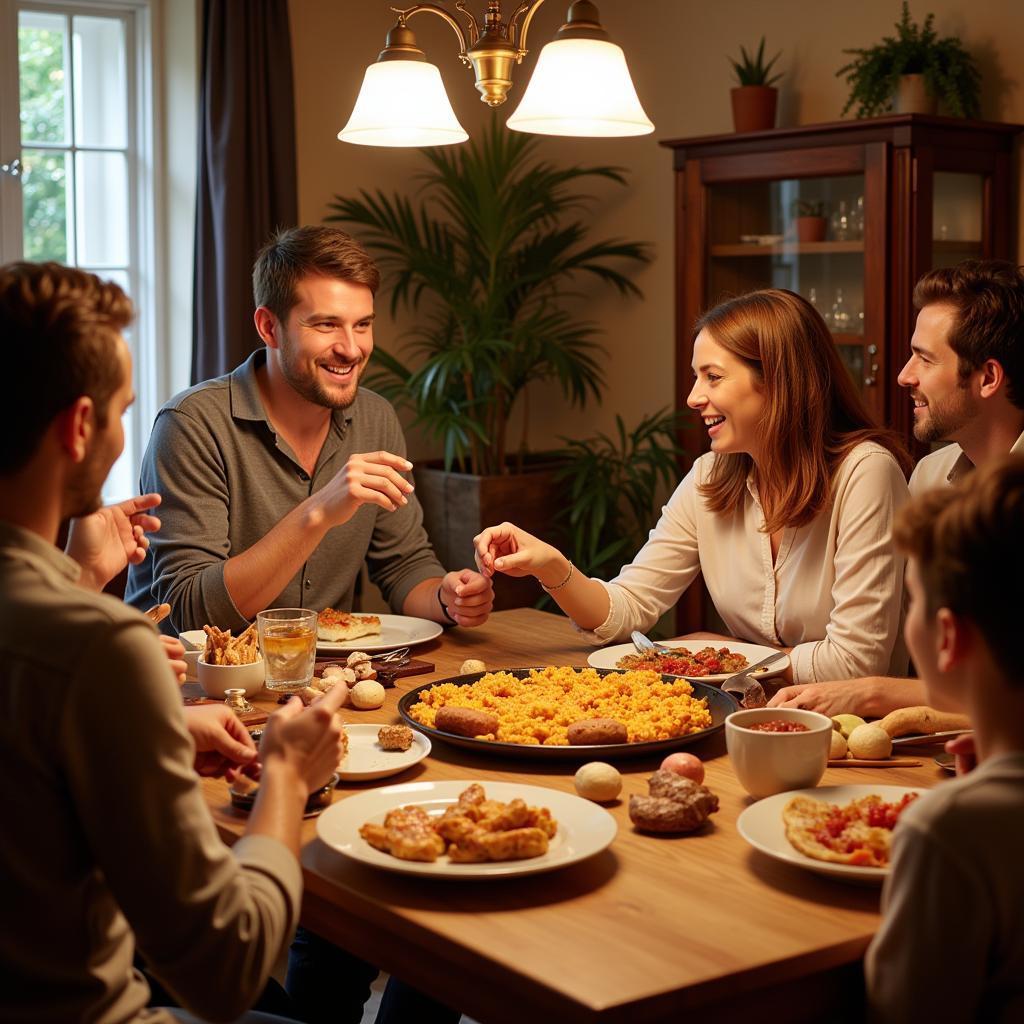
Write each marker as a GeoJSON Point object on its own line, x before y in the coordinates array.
{"type": "Point", "coordinates": [581, 85]}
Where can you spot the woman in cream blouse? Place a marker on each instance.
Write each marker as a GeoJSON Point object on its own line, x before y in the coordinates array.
{"type": "Point", "coordinates": [789, 516]}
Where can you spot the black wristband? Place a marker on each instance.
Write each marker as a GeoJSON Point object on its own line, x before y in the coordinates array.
{"type": "Point", "coordinates": [444, 608]}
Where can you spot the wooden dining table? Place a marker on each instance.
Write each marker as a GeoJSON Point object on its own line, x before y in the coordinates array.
{"type": "Point", "coordinates": [649, 929]}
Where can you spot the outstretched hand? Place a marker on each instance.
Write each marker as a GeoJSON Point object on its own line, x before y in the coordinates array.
{"type": "Point", "coordinates": [512, 551]}
{"type": "Point", "coordinates": [110, 538]}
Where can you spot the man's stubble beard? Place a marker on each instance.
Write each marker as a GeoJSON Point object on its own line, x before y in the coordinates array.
{"type": "Point", "coordinates": [944, 421]}
{"type": "Point", "coordinates": [312, 389]}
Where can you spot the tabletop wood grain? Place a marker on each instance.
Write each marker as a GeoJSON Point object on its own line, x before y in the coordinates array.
{"type": "Point", "coordinates": [651, 927]}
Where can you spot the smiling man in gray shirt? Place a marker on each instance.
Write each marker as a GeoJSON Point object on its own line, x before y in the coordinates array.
{"type": "Point", "coordinates": [280, 479]}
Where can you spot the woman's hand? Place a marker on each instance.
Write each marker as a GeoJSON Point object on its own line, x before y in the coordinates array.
{"type": "Point", "coordinates": [515, 552]}
{"type": "Point", "coordinates": [112, 537]}
{"type": "Point", "coordinates": [223, 745]}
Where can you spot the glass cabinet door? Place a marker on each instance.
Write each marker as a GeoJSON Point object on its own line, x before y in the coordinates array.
{"type": "Point", "coordinates": [807, 235]}
{"type": "Point", "coordinates": [957, 217]}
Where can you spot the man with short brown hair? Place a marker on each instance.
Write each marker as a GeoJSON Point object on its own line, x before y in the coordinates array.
{"type": "Point", "coordinates": [282, 478]}
{"type": "Point", "coordinates": [965, 376]}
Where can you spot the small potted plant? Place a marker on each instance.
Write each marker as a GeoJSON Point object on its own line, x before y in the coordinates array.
{"type": "Point", "coordinates": [909, 73]}
{"type": "Point", "coordinates": [755, 98]}
{"type": "Point", "coordinates": [809, 220]}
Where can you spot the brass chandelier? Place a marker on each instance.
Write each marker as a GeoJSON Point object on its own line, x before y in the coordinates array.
{"type": "Point", "coordinates": [581, 85]}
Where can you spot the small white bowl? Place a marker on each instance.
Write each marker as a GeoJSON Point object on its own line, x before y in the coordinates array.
{"type": "Point", "coordinates": [198, 638]}
{"type": "Point", "coordinates": [216, 680]}
{"type": "Point", "coordinates": [774, 762]}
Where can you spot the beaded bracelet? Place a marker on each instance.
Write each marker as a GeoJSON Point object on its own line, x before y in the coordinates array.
{"type": "Point", "coordinates": [444, 608]}
{"type": "Point", "coordinates": [559, 585]}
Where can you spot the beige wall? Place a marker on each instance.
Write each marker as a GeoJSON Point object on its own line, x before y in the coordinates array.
{"type": "Point", "coordinates": [683, 80]}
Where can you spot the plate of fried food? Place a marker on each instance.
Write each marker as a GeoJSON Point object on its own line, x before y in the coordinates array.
{"type": "Point", "coordinates": [567, 713]}
{"type": "Point", "coordinates": [377, 751]}
{"type": "Point", "coordinates": [347, 631]}
{"type": "Point", "coordinates": [462, 829]}
{"type": "Point", "coordinates": [708, 661]}
{"type": "Point", "coordinates": [841, 831]}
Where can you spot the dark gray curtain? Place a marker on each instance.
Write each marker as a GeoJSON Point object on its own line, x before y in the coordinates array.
{"type": "Point", "coordinates": [246, 185]}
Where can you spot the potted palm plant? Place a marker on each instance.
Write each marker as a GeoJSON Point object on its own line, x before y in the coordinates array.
{"type": "Point", "coordinates": [911, 72]}
{"type": "Point", "coordinates": [484, 248]}
{"type": "Point", "coordinates": [755, 98]}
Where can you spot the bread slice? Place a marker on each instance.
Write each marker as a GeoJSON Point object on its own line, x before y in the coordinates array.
{"type": "Point", "coordinates": [334, 626]}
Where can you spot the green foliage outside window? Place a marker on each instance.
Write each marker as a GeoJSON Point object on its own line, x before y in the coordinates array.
{"type": "Point", "coordinates": [44, 181]}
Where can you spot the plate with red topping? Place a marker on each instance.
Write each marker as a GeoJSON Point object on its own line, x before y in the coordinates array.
{"type": "Point", "coordinates": [840, 831]}
{"type": "Point", "coordinates": [710, 661]}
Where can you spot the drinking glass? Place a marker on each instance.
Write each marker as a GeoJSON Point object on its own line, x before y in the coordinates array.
{"type": "Point", "coordinates": [288, 643]}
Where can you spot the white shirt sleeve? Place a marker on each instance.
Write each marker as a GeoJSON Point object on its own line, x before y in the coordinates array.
{"type": "Point", "coordinates": [866, 598]}
{"type": "Point", "coordinates": [663, 568]}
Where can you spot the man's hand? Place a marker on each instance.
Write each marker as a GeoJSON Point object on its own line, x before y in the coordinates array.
{"type": "Point", "coordinates": [114, 536]}
{"type": "Point", "coordinates": [374, 479]}
{"type": "Point", "coordinates": [305, 743]}
{"type": "Point", "coordinates": [468, 596]}
{"type": "Point", "coordinates": [223, 746]}
{"type": "Point", "coordinates": [850, 696]}
{"type": "Point", "coordinates": [175, 655]}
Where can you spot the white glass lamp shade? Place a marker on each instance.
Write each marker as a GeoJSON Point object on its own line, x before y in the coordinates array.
{"type": "Point", "coordinates": [581, 87]}
{"type": "Point", "coordinates": [402, 103]}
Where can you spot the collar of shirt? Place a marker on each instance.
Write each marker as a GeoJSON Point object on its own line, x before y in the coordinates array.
{"type": "Point", "coordinates": [246, 404]}
{"type": "Point", "coordinates": [963, 465]}
{"type": "Point", "coordinates": [17, 542]}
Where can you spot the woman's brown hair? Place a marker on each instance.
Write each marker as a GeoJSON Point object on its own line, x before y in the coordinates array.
{"type": "Point", "coordinates": [813, 416]}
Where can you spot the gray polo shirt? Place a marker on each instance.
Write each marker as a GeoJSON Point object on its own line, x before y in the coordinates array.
{"type": "Point", "coordinates": [227, 477]}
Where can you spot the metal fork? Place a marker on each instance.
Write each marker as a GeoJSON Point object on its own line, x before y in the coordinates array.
{"type": "Point", "coordinates": [398, 657]}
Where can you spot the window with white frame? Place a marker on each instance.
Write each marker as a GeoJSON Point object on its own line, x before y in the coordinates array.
{"type": "Point", "coordinates": [77, 151]}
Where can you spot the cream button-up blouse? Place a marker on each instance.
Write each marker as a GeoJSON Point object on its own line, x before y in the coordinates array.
{"type": "Point", "coordinates": [834, 594]}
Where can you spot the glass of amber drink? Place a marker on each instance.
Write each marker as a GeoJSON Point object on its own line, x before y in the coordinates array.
{"type": "Point", "coordinates": [288, 643]}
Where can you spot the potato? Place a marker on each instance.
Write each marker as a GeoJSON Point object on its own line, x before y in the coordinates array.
{"type": "Point", "coordinates": [870, 742]}
{"type": "Point", "coordinates": [597, 731]}
{"type": "Point", "coordinates": [366, 695]}
{"type": "Point", "coordinates": [598, 781]}
{"type": "Point", "coordinates": [466, 721]}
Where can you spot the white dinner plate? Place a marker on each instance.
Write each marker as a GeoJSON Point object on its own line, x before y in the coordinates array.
{"type": "Point", "coordinates": [608, 657]}
{"type": "Point", "coordinates": [584, 829]}
{"type": "Point", "coordinates": [366, 760]}
{"type": "Point", "coordinates": [761, 826]}
{"type": "Point", "coordinates": [395, 631]}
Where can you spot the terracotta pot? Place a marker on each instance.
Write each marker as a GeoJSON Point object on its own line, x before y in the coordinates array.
{"type": "Point", "coordinates": [912, 97]}
{"type": "Point", "coordinates": [810, 229]}
{"type": "Point", "coordinates": [753, 107]}
{"type": "Point", "coordinates": [457, 506]}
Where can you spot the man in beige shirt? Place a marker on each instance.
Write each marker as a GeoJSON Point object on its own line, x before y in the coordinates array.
{"type": "Point", "coordinates": [109, 845]}
{"type": "Point", "coordinates": [965, 376]}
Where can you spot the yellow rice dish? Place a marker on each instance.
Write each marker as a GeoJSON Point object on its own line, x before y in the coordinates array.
{"type": "Point", "coordinates": [538, 710]}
